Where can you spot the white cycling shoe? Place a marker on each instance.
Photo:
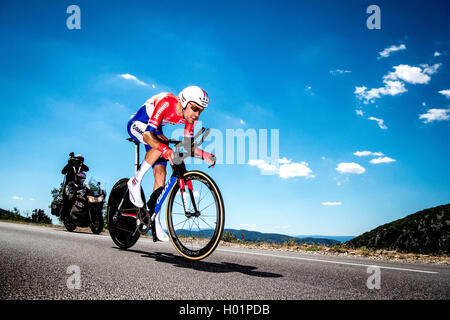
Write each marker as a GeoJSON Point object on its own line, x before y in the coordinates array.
{"type": "Point", "coordinates": [160, 234]}
{"type": "Point", "coordinates": [134, 189]}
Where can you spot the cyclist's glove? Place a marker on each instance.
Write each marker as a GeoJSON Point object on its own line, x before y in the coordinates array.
{"type": "Point", "coordinates": [166, 152]}
{"type": "Point", "coordinates": [208, 157]}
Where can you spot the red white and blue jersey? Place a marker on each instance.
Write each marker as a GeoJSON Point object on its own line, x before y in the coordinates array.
{"type": "Point", "coordinates": [160, 110]}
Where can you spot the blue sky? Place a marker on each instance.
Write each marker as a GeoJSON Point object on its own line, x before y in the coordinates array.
{"type": "Point", "coordinates": [311, 69]}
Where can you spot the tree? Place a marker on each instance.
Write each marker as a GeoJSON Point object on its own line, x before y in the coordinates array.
{"type": "Point", "coordinates": [57, 192]}
{"type": "Point", "coordinates": [39, 216]}
{"type": "Point", "coordinates": [228, 236]}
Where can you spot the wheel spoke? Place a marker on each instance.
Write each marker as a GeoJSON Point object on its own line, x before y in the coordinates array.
{"type": "Point", "coordinates": [207, 206]}
{"type": "Point", "coordinates": [206, 223]}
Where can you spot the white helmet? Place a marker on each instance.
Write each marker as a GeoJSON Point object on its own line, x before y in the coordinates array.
{"type": "Point", "coordinates": [194, 94]}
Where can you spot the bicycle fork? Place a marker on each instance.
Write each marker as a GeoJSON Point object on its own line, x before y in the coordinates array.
{"type": "Point", "coordinates": [182, 184]}
{"type": "Point", "coordinates": [183, 193]}
{"type": "Point", "coordinates": [183, 196]}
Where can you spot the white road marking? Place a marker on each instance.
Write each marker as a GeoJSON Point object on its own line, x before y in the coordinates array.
{"type": "Point", "coordinates": [328, 261]}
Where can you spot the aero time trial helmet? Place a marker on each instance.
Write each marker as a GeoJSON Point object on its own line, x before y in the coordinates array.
{"type": "Point", "coordinates": [194, 94]}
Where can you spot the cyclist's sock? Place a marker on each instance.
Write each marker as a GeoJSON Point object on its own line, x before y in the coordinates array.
{"type": "Point", "coordinates": [142, 171]}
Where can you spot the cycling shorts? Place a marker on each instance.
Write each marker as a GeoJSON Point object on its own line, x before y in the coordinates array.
{"type": "Point", "coordinates": [136, 131]}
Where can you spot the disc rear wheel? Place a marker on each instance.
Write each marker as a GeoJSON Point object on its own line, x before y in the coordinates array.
{"type": "Point", "coordinates": [121, 222]}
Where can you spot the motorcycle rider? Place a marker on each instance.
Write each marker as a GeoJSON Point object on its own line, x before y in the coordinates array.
{"type": "Point", "coordinates": [145, 126]}
{"type": "Point", "coordinates": [75, 176]}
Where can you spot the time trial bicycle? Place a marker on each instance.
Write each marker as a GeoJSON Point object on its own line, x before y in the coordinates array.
{"type": "Point", "coordinates": [195, 213]}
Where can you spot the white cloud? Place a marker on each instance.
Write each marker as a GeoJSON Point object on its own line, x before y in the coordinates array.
{"type": "Point", "coordinates": [359, 90]}
{"type": "Point", "coordinates": [435, 115]}
{"type": "Point", "coordinates": [430, 69]}
{"type": "Point", "coordinates": [264, 166]}
{"type": "Point", "coordinates": [387, 52]}
{"type": "Point", "coordinates": [330, 203]}
{"type": "Point", "coordinates": [350, 167]}
{"type": "Point", "coordinates": [367, 153]}
{"type": "Point", "coordinates": [284, 160]}
{"type": "Point", "coordinates": [250, 227]}
{"type": "Point", "coordinates": [408, 74]}
{"type": "Point", "coordinates": [393, 81]}
{"type": "Point", "coordinates": [17, 198]}
{"type": "Point", "coordinates": [128, 76]}
{"type": "Point", "coordinates": [339, 71]}
{"type": "Point", "coordinates": [32, 199]}
{"type": "Point", "coordinates": [359, 112]}
{"type": "Point", "coordinates": [242, 122]}
{"type": "Point", "coordinates": [153, 86]}
{"type": "Point", "coordinates": [287, 169]}
{"type": "Point", "coordinates": [424, 104]}
{"type": "Point", "coordinates": [446, 93]}
{"type": "Point", "coordinates": [380, 122]}
{"type": "Point", "coordinates": [362, 153]}
{"type": "Point", "coordinates": [292, 170]}
{"type": "Point", "coordinates": [437, 54]}
{"type": "Point", "coordinates": [391, 88]}
{"type": "Point", "coordinates": [382, 160]}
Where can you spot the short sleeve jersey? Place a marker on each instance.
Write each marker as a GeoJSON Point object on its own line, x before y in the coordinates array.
{"type": "Point", "coordinates": [160, 110]}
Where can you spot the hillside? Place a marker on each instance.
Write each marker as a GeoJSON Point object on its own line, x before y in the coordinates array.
{"type": "Point", "coordinates": [426, 231]}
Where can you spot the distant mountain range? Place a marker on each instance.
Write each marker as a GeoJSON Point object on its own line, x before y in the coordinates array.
{"type": "Point", "coordinates": [255, 236]}
{"type": "Point", "coordinates": [426, 231]}
{"type": "Point", "coordinates": [337, 238]}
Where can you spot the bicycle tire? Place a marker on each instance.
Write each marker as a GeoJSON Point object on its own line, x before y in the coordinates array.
{"type": "Point", "coordinates": [123, 232]}
{"type": "Point", "coordinates": [220, 214]}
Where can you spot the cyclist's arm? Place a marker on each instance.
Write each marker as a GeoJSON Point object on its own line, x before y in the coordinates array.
{"type": "Point", "coordinates": [65, 169]}
{"type": "Point", "coordinates": [153, 136]}
{"type": "Point", "coordinates": [196, 152]}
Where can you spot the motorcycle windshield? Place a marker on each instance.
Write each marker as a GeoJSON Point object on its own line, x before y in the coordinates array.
{"type": "Point", "coordinates": [94, 186]}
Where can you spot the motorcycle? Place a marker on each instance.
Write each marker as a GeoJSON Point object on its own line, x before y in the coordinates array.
{"type": "Point", "coordinates": [86, 205]}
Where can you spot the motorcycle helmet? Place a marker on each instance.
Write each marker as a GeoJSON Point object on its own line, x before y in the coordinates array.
{"type": "Point", "coordinates": [79, 158]}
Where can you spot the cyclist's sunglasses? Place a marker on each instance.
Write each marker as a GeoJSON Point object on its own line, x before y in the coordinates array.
{"type": "Point", "coordinates": [196, 108]}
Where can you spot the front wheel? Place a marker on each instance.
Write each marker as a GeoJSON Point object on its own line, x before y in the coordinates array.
{"type": "Point", "coordinates": [196, 233]}
{"type": "Point", "coordinates": [70, 226]}
{"type": "Point", "coordinates": [96, 224]}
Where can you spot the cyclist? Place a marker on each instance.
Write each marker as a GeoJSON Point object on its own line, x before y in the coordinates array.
{"type": "Point", "coordinates": [145, 126]}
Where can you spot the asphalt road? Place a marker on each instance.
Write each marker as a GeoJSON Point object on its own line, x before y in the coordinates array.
{"type": "Point", "coordinates": [43, 263]}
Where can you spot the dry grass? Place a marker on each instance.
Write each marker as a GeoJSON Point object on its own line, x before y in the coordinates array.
{"type": "Point", "coordinates": [342, 250]}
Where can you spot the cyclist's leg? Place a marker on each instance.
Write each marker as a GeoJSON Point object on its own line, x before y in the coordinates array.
{"type": "Point", "coordinates": [136, 130]}
{"type": "Point", "coordinates": [159, 173]}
